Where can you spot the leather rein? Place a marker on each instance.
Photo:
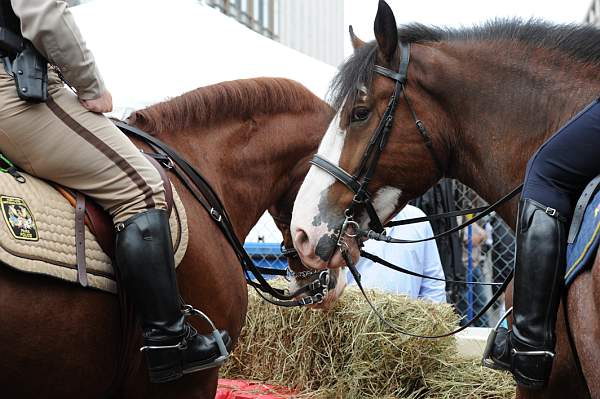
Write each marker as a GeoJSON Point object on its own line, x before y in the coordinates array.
{"type": "Point", "coordinates": [312, 293]}
{"type": "Point", "coordinates": [359, 182]}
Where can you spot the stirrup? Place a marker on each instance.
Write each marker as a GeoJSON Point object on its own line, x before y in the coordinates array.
{"type": "Point", "coordinates": [189, 310]}
{"type": "Point", "coordinates": [487, 360]}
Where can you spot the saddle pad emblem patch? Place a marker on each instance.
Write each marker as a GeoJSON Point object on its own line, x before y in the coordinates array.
{"type": "Point", "coordinates": [19, 218]}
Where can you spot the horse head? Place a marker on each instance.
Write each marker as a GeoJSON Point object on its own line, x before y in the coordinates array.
{"type": "Point", "coordinates": [378, 139]}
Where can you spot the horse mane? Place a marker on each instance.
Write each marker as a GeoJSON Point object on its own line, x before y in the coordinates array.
{"type": "Point", "coordinates": [237, 99]}
{"type": "Point", "coordinates": [581, 42]}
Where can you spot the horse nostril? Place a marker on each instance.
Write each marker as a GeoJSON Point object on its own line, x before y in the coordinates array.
{"type": "Point", "coordinates": [301, 241]}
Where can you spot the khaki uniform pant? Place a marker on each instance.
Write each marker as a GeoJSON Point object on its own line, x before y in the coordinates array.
{"type": "Point", "coordinates": [63, 142]}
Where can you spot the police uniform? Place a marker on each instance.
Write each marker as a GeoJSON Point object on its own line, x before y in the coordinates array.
{"type": "Point", "coordinates": [555, 177]}
{"type": "Point", "coordinates": [61, 141]}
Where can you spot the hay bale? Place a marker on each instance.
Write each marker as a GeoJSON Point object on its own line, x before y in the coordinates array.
{"type": "Point", "coordinates": [348, 353]}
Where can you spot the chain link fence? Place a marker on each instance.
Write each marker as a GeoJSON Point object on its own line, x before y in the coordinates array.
{"type": "Point", "coordinates": [487, 247]}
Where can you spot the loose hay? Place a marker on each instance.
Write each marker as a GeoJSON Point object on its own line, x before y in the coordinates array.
{"type": "Point", "coordinates": [348, 353]}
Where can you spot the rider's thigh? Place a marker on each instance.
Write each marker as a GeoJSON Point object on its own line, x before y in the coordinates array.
{"type": "Point", "coordinates": [63, 142]}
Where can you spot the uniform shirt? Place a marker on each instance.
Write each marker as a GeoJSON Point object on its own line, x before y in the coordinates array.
{"type": "Point", "coordinates": [420, 257]}
{"type": "Point", "coordinates": [50, 26]}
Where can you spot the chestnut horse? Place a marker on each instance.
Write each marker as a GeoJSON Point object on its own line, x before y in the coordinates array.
{"type": "Point", "coordinates": [488, 97]}
{"type": "Point", "coordinates": [252, 140]}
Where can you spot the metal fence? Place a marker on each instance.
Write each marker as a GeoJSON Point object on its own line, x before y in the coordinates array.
{"type": "Point", "coordinates": [258, 15]}
{"type": "Point", "coordinates": [488, 254]}
{"type": "Point", "coordinates": [487, 248]}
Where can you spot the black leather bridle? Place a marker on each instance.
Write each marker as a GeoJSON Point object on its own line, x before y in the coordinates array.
{"type": "Point", "coordinates": [358, 183]}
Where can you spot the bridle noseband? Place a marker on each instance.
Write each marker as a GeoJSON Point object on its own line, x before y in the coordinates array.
{"type": "Point", "coordinates": [358, 183]}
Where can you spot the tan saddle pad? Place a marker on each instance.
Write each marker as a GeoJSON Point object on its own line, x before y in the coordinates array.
{"type": "Point", "coordinates": [37, 233]}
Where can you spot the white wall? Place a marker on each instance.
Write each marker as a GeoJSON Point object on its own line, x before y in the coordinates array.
{"type": "Point", "coordinates": [314, 27]}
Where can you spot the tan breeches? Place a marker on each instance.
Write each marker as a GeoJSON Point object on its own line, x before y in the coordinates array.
{"type": "Point", "coordinates": [63, 142]}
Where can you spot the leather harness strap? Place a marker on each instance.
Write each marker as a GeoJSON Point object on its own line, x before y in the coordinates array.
{"type": "Point", "coordinates": [582, 203]}
{"type": "Point", "coordinates": [80, 239]}
{"type": "Point", "coordinates": [165, 180]}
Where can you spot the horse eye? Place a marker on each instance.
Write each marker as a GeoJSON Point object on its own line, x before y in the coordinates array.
{"type": "Point", "coordinates": [360, 114]}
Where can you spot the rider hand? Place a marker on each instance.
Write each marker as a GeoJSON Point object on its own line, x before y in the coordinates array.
{"type": "Point", "coordinates": [100, 104]}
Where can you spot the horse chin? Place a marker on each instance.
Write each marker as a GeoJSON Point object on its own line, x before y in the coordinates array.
{"type": "Point", "coordinates": [338, 282]}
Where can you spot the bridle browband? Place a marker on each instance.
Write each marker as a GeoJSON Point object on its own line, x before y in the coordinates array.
{"type": "Point", "coordinates": [358, 183]}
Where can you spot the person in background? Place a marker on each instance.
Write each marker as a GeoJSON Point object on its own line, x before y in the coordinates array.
{"type": "Point", "coordinates": [479, 238]}
{"type": "Point", "coordinates": [422, 258]}
{"type": "Point", "coordinates": [441, 198]}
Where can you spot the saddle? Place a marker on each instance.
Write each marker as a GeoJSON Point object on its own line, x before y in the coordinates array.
{"type": "Point", "coordinates": [51, 230]}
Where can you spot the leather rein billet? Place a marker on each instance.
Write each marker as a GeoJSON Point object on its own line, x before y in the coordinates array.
{"type": "Point", "coordinates": [358, 184]}
{"type": "Point", "coordinates": [312, 293]}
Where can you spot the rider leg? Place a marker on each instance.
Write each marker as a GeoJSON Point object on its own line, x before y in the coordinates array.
{"type": "Point", "coordinates": [556, 175]}
{"type": "Point", "coordinates": [63, 142]}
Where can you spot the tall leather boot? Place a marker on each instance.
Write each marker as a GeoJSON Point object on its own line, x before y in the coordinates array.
{"type": "Point", "coordinates": [144, 256]}
{"type": "Point", "coordinates": [527, 351]}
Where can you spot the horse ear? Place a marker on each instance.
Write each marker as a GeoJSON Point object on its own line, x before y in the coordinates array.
{"type": "Point", "coordinates": [356, 42]}
{"type": "Point", "coordinates": [386, 31]}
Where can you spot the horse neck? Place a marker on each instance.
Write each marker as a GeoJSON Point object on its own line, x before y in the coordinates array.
{"type": "Point", "coordinates": [503, 101]}
{"type": "Point", "coordinates": [253, 164]}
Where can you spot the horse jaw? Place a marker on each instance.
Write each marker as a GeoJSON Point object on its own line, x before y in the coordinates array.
{"type": "Point", "coordinates": [311, 219]}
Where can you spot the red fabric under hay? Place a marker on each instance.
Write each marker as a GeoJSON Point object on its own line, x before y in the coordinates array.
{"type": "Point", "coordinates": [241, 389]}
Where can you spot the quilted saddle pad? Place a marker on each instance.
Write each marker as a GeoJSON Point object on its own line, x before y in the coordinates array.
{"type": "Point", "coordinates": [37, 233]}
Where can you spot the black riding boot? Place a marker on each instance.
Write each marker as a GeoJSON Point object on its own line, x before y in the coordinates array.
{"type": "Point", "coordinates": [527, 351]}
{"type": "Point", "coordinates": [144, 256]}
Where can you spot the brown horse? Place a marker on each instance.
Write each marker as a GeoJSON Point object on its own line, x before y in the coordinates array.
{"type": "Point", "coordinates": [252, 140]}
{"type": "Point", "coordinates": [488, 96]}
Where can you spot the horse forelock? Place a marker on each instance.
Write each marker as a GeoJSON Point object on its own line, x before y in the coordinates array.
{"type": "Point", "coordinates": [237, 99]}
{"type": "Point", "coordinates": [579, 42]}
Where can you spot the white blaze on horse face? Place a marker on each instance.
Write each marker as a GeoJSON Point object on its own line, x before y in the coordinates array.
{"type": "Point", "coordinates": [316, 185]}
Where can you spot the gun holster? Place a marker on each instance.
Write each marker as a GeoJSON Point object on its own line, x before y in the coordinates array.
{"type": "Point", "coordinates": [30, 70]}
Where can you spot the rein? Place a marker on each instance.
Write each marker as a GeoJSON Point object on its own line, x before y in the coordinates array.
{"type": "Point", "coordinates": [370, 234]}
{"type": "Point", "coordinates": [358, 185]}
{"type": "Point", "coordinates": [396, 328]}
{"type": "Point", "coordinates": [199, 187]}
